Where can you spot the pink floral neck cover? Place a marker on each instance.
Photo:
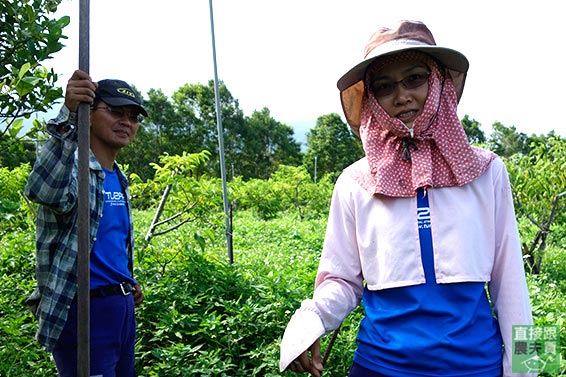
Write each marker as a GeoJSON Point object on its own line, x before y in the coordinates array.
{"type": "Point", "coordinates": [437, 154]}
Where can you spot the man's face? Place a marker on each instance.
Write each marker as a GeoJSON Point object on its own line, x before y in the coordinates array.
{"type": "Point", "coordinates": [113, 127]}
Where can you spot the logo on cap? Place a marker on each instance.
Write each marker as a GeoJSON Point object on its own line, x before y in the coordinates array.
{"type": "Point", "coordinates": [126, 91]}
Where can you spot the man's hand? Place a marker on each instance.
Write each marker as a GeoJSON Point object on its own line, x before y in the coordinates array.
{"type": "Point", "coordinates": [312, 365]}
{"type": "Point", "coordinates": [80, 89]}
{"type": "Point", "coordinates": [138, 295]}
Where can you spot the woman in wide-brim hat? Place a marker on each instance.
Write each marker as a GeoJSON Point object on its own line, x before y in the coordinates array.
{"type": "Point", "coordinates": [417, 227]}
{"type": "Point", "coordinates": [409, 36]}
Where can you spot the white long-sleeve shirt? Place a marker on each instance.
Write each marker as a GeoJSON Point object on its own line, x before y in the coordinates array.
{"type": "Point", "coordinates": [375, 239]}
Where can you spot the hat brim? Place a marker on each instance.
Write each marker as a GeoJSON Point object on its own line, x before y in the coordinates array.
{"type": "Point", "coordinates": [452, 59]}
{"type": "Point", "coordinates": [351, 84]}
{"type": "Point", "coordinates": [116, 101]}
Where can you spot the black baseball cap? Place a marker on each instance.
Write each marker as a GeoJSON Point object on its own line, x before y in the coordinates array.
{"type": "Point", "coordinates": [118, 93]}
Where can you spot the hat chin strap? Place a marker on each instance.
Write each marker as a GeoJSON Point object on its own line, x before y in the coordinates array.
{"type": "Point", "coordinates": [408, 142]}
{"type": "Point", "coordinates": [439, 99]}
{"type": "Point", "coordinates": [433, 118]}
{"type": "Point", "coordinates": [410, 129]}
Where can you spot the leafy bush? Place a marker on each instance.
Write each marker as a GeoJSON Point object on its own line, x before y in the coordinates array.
{"type": "Point", "coordinates": [178, 171]}
{"type": "Point", "coordinates": [19, 354]}
{"type": "Point", "coordinates": [539, 192]}
{"type": "Point", "coordinates": [12, 214]}
{"type": "Point", "coordinates": [548, 302]}
{"type": "Point", "coordinates": [179, 196]}
{"type": "Point", "coordinates": [258, 195]}
{"type": "Point", "coordinates": [290, 189]}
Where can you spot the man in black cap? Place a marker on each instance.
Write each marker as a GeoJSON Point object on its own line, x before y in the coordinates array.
{"type": "Point", "coordinates": [116, 110]}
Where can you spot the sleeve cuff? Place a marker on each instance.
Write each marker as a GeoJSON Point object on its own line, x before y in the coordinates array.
{"type": "Point", "coordinates": [65, 116]}
{"type": "Point", "coordinates": [63, 122]}
{"type": "Point", "coordinates": [304, 328]}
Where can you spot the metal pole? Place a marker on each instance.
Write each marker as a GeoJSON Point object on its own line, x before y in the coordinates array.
{"type": "Point", "coordinates": [83, 202]}
{"type": "Point", "coordinates": [315, 167]}
{"type": "Point", "coordinates": [220, 140]}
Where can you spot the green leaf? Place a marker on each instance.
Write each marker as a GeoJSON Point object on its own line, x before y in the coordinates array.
{"type": "Point", "coordinates": [16, 127]}
{"type": "Point", "coordinates": [23, 70]}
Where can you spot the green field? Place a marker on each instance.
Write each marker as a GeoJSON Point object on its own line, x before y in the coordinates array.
{"type": "Point", "coordinates": [204, 317]}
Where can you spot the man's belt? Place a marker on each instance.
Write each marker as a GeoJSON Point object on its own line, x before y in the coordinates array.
{"type": "Point", "coordinates": [122, 289]}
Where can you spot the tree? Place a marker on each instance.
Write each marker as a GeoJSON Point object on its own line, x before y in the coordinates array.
{"type": "Point", "coordinates": [253, 146]}
{"type": "Point", "coordinates": [28, 36]}
{"type": "Point", "coordinates": [186, 122]}
{"type": "Point", "coordinates": [197, 107]}
{"type": "Point", "coordinates": [539, 191]}
{"type": "Point", "coordinates": [185, 197]}
{"type": "Point", "coordinates": [506, 141]}
{"type": "Point", "coordinates": [267, 144]}
{"type": "Point", "coordinates": [473, 130]}
{"type": "Point", "coordinates": [160, 133]}
{"type": "Point", "coordinates": [331, 145]}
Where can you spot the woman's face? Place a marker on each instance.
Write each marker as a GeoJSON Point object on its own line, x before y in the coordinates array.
{"type": "Point", "coordinates": [401, 89]}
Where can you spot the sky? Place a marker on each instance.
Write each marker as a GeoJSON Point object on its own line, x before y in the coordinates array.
{"type": "Point", "coordinates": [287, 55]}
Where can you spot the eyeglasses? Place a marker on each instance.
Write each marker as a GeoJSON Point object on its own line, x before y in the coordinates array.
{"type": "Point", "coordinates": [120, 112]}
{"type": "Point", "coordinates": [386, 88]}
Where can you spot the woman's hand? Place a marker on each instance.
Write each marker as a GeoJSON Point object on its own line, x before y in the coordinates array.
{"type": "Point", "coordinates": [312, 364]}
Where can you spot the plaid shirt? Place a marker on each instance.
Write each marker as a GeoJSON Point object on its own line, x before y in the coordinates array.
{"type": "Point", "coordinates": [52, 184]}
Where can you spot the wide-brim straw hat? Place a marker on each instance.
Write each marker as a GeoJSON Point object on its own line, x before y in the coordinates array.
{"type": "Point", "coordinates": [407, 35]}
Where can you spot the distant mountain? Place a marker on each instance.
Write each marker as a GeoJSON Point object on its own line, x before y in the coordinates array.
{"type": "Point", "coordinates": [301, 129]}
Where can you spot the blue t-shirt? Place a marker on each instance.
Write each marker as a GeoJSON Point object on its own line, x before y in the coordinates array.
{"type": "Point", "coordinates": [109, 257]}
{"type": "Point", "coordinates": [429, 329]}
